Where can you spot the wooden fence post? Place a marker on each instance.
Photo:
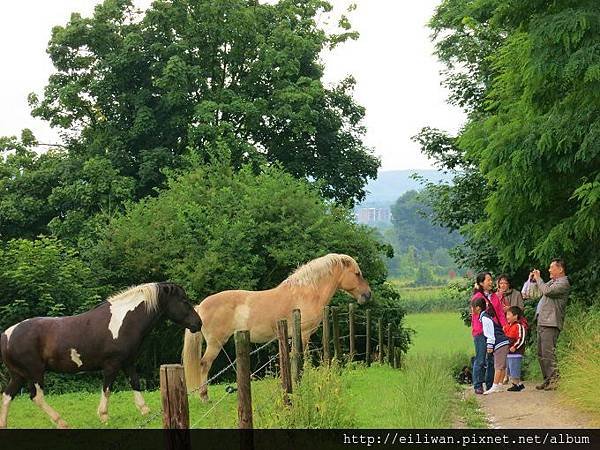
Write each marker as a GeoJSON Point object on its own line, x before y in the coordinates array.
{"type": "Point", "coordinates": [326, 352]}
{"type": "Point", "coordinates": [296, 345]}
{"type": "Point", "coordinates": [351, 331]}
{"type": "Point", "coordinates": [390, 345]}
{"type": "Point", "coordinates": [284, 360]}
{"type": "Point", "coordinates": [380, 333]}
{"type": "Point", "coordinates": [368, 343]}
{"type": "Point", "coordinates": [176, 414]}
{"type": "Point", "coordinates": [242, 356]}
{"type": "Point", "coordinates": [337, 349]}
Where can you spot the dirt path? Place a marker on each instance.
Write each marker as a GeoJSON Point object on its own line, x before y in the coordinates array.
{"type": "Point", "coordinates": [531, 409]}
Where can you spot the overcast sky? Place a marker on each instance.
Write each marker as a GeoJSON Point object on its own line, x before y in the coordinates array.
{"type": "Point", "coordinates": [397, 75]}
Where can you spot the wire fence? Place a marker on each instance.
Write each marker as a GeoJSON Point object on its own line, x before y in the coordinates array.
{"type": "Point", "coordinates": [272, 359]}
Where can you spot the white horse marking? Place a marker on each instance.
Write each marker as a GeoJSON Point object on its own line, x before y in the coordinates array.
{"type": "Point", "coordinates": [10, 330]}
{"type": "Point", "coordinates": [103, 407]}
{"type": "Point", "coordinates": [76, 358]}
{"type": "Point", "coordinates": [119, 310]}
{"type": "Point", "coordinates": [41, 402]}
{"type": "Point", "coordinates": [140, 403]}
{"type": "Point", "coordinates": [4, 411]}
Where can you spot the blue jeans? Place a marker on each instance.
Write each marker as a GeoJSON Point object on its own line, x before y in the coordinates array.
{"type": "Point", "coordinates": [483, 364]}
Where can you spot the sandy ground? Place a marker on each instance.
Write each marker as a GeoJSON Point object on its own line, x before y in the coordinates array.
{"type": "Point", "coordinates": [531, 408]}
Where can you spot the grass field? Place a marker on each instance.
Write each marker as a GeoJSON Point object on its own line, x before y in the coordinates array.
{"type": "Point", "coordinates": [421, 395]}
{"type": "Point", "coordinates": [439, 333]}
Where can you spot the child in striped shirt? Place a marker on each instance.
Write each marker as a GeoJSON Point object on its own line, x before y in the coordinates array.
{"type": "Point", "coordinates": [515, 330]}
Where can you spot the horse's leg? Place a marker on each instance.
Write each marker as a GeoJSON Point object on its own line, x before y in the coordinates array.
{"type": "Point", "coordinates": [12, 388]}
{"type": "Point", "coordinates": [110, 374]}
{"type": "Point", "coordinates": [36, 393]}
{"type": "Point", "coordinates": [134, 381]}
{"type": "Point", "coordinates": [212, 350]}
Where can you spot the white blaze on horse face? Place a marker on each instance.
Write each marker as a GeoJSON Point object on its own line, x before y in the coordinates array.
{"type": "Point", "coordinates": [119, 310]}
{"type": "Point", "coordinates": [76, 357]}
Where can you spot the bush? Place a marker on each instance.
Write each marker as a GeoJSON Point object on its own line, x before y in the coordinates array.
{"type": "Point", "coordinates": [579, 357]}
{"type": "Point", "coordinates": [215, 229]}
{"type": "Point", "coordinates": [317, 401]}
{"type": "Point", "coordinates": [44, 278]}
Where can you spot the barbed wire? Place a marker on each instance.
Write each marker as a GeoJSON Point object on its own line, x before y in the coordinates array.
{"type": "Point", "coordinates": [145, 423]}
{"type": "Point", "coordinates": [210, 410]}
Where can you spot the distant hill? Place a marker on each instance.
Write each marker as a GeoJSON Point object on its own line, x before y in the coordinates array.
{"type": "Point", "coordinates": [390, 185]}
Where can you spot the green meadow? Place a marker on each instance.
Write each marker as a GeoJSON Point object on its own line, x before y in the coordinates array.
{"type": "Point", "coordinates": [422, 394]}
{"type": "Point", "coordinates": [439, 333]}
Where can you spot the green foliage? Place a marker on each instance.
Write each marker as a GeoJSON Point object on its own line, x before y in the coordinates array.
{"type": "Point", "coordinates": [317, 401]}
{"type": "Point", "coordinates": [579, 357]}
{"type": "Point", "coordinates": [143, 87]}
{"type": "Point", "coordinates": [411, 218]}
{"type": "Point", "coordinates": [526, 160]}
{"type": "Point", "coordinates": [43, 278]}
{"type": "Point", "coordinates": [215, 229]}
{"type": "Point", "coordinates": [26, 182]}
{"type": "Point", "coordinates": [420, 245]}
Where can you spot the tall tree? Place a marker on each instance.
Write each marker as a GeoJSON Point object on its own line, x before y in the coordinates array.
{"type": "Point", "coordinates": [142, 88]}
{"type": "Point", "coordinates": [533, 135]}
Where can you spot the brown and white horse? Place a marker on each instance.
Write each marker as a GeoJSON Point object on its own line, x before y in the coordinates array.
{"type": "Point", "coordinates": [309, 288]}
{"type": "Point", "coordinates": [105, 338]}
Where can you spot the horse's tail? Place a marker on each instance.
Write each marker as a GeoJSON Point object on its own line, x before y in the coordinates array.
{"type": "Point", "coordinates": [191, 355]}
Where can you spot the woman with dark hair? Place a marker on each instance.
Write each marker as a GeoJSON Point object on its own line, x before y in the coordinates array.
{"type": "Point", "coordinates": [509, 296]}
{"type": "Point", "coordinates": [483, 363]}
{"type": "Point", "coordinates": [496, 342]}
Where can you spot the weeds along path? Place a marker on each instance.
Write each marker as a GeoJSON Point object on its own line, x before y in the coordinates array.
{"type": "Point", "coordinates": [442, 333]}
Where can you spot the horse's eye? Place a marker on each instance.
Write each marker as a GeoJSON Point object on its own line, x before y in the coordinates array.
{"type": "Point", "coordinates": [358, 274]}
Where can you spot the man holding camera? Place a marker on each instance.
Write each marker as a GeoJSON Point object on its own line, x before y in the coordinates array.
{"type": "Point", "coordinates": [550, 315]}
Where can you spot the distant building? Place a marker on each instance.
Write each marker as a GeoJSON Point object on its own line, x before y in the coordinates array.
{"type": "Point", "coordinates": [371, 216]}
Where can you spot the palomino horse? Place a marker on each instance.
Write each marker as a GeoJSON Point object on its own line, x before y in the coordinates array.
{"type": "Point", "coordinates": [309, 289]}
{"type": "Point", "coordinates": [105, 338]}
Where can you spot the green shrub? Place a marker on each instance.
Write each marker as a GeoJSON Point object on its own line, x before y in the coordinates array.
{"type": "Point", "coordinates": [318, 401]}
{"type": "Point", "coordinates": [579, 357]}
{"type": "Point", "coordinates": [44, 278]}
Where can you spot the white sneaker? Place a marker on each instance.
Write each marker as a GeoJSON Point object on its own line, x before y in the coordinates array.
{"type": "Point", "coordinates": [493, 389]}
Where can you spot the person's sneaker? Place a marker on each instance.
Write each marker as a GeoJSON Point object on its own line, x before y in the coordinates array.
{"type": "Point", "coordinates": [479, 391]}
{"type": "Point", "coordinates": [514, 388]}
{"type": "Point", "coordinates": [522, 386]}
{"type": "Point", "coordinates": [495, 388]}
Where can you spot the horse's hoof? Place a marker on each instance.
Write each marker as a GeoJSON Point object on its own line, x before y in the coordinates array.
{"type": "Point", "coordinates": [145, 410]}
{"type": "Point", "coordinates": [103, 418]}
{"type": "Point", "coordinates": [62, 424]}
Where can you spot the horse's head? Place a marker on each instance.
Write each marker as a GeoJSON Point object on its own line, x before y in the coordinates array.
{"type": "Point", "coordinates": [177, 307]}
{"type": "Point", "coordinates": [352, 280]}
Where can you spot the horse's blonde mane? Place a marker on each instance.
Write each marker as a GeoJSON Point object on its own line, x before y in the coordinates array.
{"type": "Point", "coordinates": [149, 291]}
{"type": "Point", "coordinates": [314, 270]}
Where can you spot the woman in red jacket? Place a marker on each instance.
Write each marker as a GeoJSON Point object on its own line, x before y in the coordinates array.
{"type": "Point", "coordinates": [483, 363]}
